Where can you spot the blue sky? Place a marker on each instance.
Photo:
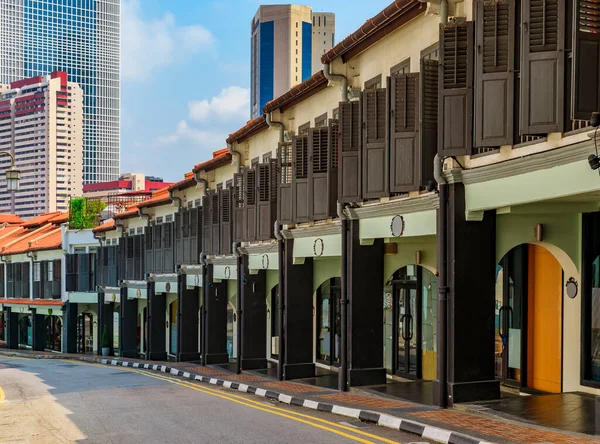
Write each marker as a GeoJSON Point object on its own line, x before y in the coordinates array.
{"type": "Point", "coordinates": [186, 72]}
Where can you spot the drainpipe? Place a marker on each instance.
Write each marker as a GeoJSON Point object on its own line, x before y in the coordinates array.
{"type": "Point", "coordinates": [142, 214]}
{"type": "Point", "coordinates": [337, 78]}
{"type": "Point", "coordinates": [444, 12]}
{"type": "Point", "coordinates": [273, 124]}
{"type": "Point", "coordinates": [442, 304]}
{"type": "Point", "coordinates": [234, 153]}
{"type": "Point", "coordinates": [281, 307]}
{"type": "Point", "coordinates": [343, 376]}
{"type": "Point", "coordinates": [31, 276]}
{"type": "Point", "coordinates": [174, 198]}
{"type": "Point", "coordinates": [199, 181]}
{"type": "Point", "coordinates": [203, 262]}
{"type": "Point", "coordinates": [235, 247]}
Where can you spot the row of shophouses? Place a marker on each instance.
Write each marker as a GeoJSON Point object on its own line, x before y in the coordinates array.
{"type": "Point", "coordinates": [422, 209]}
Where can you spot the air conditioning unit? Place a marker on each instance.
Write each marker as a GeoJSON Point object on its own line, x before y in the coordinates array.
{"type": "Point", "coordinates": [275, 345]}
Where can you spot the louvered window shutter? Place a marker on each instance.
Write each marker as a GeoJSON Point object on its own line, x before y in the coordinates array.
{"type": "Point", "coordinates": [300, 179]}
{"type": "Point", "coordinates": [284, 167]}
{"type": "Point", "coordinates": [494, 105]}
{"type": "Point", "coordinates": [375, 178]}
{"type": "Point", "coordinates": [239, 232]}
{"type": "Point", "coordinates": [225, 211]}
{"type": "Point", "coordinates": [250, 218]}
{"type": "Point", "coordinates": [215, 235]}
{"type": "Point", "coordinates": [266, 204]}
{"type": "Point", "coordinates": [456, 89]}
{"type": "Point", "coordinates": [586, 59]}
{"type": "Point", "coordinates": [404, 124]}
{"type": "Point", "coordinates": [429, 118]}
{"type": "Point", "coordinates": [350, 152]}
{"type": "Point", "coordinates": [542, 66]}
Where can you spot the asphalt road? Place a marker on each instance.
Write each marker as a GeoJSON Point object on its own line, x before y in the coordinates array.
{"type": "Point", "coordinates": [59, 401]}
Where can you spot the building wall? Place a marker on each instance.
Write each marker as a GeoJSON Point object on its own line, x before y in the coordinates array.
{"type": "Point", "coordinates": [323, 37]}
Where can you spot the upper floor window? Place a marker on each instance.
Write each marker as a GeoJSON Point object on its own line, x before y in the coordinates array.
{"type": "Point", "coordinates": [373, 83]}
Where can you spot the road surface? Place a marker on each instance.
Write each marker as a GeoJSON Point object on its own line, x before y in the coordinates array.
{"type": "Point", "coordinates": [60, 401]}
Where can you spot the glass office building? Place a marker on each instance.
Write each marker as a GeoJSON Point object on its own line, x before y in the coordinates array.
{"type": "Point", "coordinates": [81, 37]}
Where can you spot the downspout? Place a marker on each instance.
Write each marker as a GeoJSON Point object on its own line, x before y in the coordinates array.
{"type": "Point", "coordinates": [174, 198]}
{"type": "Point", "coordinates": [442, 304]}
{"type": "Point", "coordinates": [234, 153]}
{"type": "Point", "coordinates": [203, 262]}
{"type": "Point", "coordinates": [343, 376]}
{"type": "Point", "coordinates": [199, 181]}
{"type": "Point", "coordinates": [281, 289]}
{"type": "Point", "coordinates": [235, 247]}
{"type": "Point", "coordinates": [274, 124]}
{"type": "Point", "coordinates": [31, 277]}
{"type": "Point", "coordinates": [444, 12]}
{"type": "Point", "coordinates": [142, 214]}
{"type": "Point", "coordinates": [337, 78]}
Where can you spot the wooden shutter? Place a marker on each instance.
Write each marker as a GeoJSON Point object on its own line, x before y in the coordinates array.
{"type": "Point", "coordinates": [284, 180]}
{"type": "Point", "coordinates": [158, 248]}
{"type": "Point", "coordinates": [206, 225]}
{"type": "Point", "coordinates": [267, 199]}
{"type": "Point", "coordinates": [57, 279]}
{"type": "Point", "coordinates": [239, 230]}
{"type": "Point", "coordinates": [250, 204]}
{"type": "Point", "coordinates": [138, 252]}
{"type": "Point", "coordinates": [191, 251]}
{"type": "Point", "coordinates": [300, 179]}
{"type": "Point", "coordinates": [322, 171]}
{"type": "Point", "coordinates": [180, 218]}
{"type": "Point", "coordinates": [429, 118]}
{"type": "Point", "coordinates": [149, 250]}
{"type": "Point", "coordinates": [586, 59]}
{"type": "Point", "coordinates": [130, 261]}
{"type": "Point", "coordinates": [456, 89]}
{"type": "Point", "coordinates": [83, 272]}
{"type": "Point", "coordinates": [215, 234]}
{"type": "Point", "coordinates": [168, 252]}
{"type": "Point", "coordinates": [225, 220]}
{"type": "Point", "coordinates": [542, 66]}
{"type": "Point", "coordinates": [494, 103]}
{"type": "Point", "coordinates": [350, 152]}
{"type": "Point", "coordinates": [404, 133]}
{"type": "Point", "coordinates": [375, 179]}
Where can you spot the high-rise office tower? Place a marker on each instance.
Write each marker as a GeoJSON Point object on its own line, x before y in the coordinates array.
{"type": "Point", "coordinates": [287, 42]}
{"type": "Point", "coordinates": [81, 38]}
{"type": "Point", "coordinates": [41, 125]}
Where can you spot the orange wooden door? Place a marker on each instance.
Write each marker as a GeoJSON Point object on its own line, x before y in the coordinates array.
{"type": "Point", "coordinates": [545, 321]}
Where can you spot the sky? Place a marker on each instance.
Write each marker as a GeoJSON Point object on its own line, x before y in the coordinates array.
{"type": "Point", "coordinates": [185, 75]}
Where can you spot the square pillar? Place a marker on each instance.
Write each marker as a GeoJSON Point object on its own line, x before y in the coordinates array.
{"type": "Point", "coordinates": [128, 326]}
{"type": "Point", "coordinates": [39, 331]}
{"type": "Point", "coordinates": [471, 302]}
{"type": "Point", "coordinates": [215, 325]}
{"type": "Point", "coordinates": [298, 316]}
{"type": "Point", "coordinates": [106, 319]}
{"type": "Point", "coordinates": [188, 304]}
{"type": "Point", "coordinates": [365, 309]}
{"type": "Point", "coordinates": [157, 306]}
{"type": "Point", "coordinates": [12, 329]}
{"type": "Point", "coordinates": [70, 327]}
{"type": "Point", "coordinates": [253, 317]}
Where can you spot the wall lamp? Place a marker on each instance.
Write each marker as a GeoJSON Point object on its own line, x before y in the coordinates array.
{"type": "Point", "coordinates": [593, 159]}
{"type": "Point", "coordinates": [13, 175]}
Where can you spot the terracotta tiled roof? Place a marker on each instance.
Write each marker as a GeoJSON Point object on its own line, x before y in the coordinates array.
{"type": "Point", "coordinates": [40, 302]}
{"type": "Point", "coordinates": [106, 226]}
{"type": "Point", "coordinates": [252, 127]}
{"type": "Point", "coordinates": [375, 28]}
{"type": "Point", "coordinates": [189, 181]}
{"type": "Point", "coordinates": [41, 219]}
{"type": "Point", "coordinates": [159, 197]}
{"type": "Point", "coordinates": [130, 212]}
{"type": "Point", "coordinates": [220, 158]}
{"type": "Point", "coordinates": [298, 93]}
{"type": "Point", "coordinates": [60, 219]}
{"type": "Point", "coordinates": [10, 219]}
{"type": "Point", "coordinates": [47, 237]}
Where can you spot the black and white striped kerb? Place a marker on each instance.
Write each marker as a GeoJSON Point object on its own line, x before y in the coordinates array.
{"type": "Point", "coordinates": [381, 419]}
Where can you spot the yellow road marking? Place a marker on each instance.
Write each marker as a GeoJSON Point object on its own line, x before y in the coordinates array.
{"type": "Point", "coordinates": [1, 396]}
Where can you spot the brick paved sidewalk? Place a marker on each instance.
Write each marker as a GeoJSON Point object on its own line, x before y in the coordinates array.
{"type": "Point", "coordinates": [484, 428]}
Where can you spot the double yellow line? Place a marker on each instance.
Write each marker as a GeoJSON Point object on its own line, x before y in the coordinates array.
{"type": "Point", "coordinates": [295, 416]}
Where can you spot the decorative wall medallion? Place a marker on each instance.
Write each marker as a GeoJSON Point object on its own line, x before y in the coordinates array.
{"type": "Point", "coordinates": [318, 247]}
{"type": "Point", "coordinates": [265, 261]}
{"type": "Point", "coordinates": [572, 288]}
{"type": "Point", "coordinates": [50, 311]}
{"type": "Point", "coordinates": [397, 226]}
{"type": "Point", "coordinates": [138, 293]}
{"type": "Point", "coordinates": [168, 287]}
{"type": "Point", "coordinates": [227, 272]}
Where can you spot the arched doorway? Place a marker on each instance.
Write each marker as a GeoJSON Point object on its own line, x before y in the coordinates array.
{"type": "Point", "coordinates": [25, 330]}
{"type": "Point", "coordinates": [85, 333]}
{"type": "Point", "coordinates": [53, 333]}
{"type": "Point", "coordinates": [528, 319]}
{"type": "Point", "coordinates": [173, 328]}
{"type": "Point", "coordinates": [410, 323]}
{"type": "Point", "coordinates": [328, 322]}
{"type": "Point", "coordinates": [231, 351]}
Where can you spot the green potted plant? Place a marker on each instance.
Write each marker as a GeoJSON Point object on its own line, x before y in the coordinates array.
{"type": "Point", "coordinates": [105, 342]}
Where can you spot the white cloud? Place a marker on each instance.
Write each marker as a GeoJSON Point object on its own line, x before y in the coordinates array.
{"type": "Point", "coordinates": [231, 103]}
{"type": "Point", "coordinates": [149, 45]}
{"type": "Point", "coordinates": [183, 133]}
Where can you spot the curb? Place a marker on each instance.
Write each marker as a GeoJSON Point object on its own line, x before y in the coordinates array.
{"type": "Point", "coordinates": [381, 419]}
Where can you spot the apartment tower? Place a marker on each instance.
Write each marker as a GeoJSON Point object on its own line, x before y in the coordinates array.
{"type": "Point", "coordinates": [41, 124]}
{"type": "Point", "coordinates": [287, 42]}
{"type": "Point", "coordinates": [81, 38]}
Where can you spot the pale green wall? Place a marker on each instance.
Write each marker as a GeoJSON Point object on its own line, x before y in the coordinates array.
{"type": "Point", "coordinates": [232, 292]}
{"type": "Point", "coordinates": [407, 250]}
{"type": "Point", "coordinates": [272, 280]}
{"type": "Point", "coordinates": [324, 269]}
{"type": "Point", "coordinates": [561, 230]}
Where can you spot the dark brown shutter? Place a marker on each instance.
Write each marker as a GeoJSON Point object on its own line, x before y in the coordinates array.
{"type": "Point", "coordinates": [239, 231]}
{"type": "Point", "coordinates": [375, 178]}
{"type": "Point", "coordinates": [350, 152]}
{"type": "Point", "coordinates": [215, 234]}
{"type": "Point", "coordinates": [225, 219]}
{"type": "Point", "coordinates": [404, 133]}
{"type": "Point", "coordinates": [542, 69]}
{"type": "Point", "coordinates": [284, 182]}
{"type": "Point", "coordinates": [180, 239]}
{"type": "Point", "coordinates": [206, 225]}
{"type": "Point", "coordinates": [322, 171]}
{"type": "Point", "coordinates": [495, 72]}
{"type": "Point", "coordinates": [300, 179]}
{"type": "Point", "coordinates": [191, 256]}
{"type": "Point", "coordinates": [149, 262]}
{"type": "Point", "coordinates": [200, 225]}
{"type": "Point", "coordinates": [250, 204]}
{"type": "Point", "coordinates": [429, 117]}
{"type": "Point", "coordinates": [456, 89]}
{"type": "Point", "coordinates": [267, 199]}
{"type": "Point", "coordinates": [586, 59]}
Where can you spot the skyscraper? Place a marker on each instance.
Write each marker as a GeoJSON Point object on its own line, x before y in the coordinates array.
{"type": "Point", "coordinates": [81, 38]}
{"type": "Point", "coordinates": [282, 47]}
